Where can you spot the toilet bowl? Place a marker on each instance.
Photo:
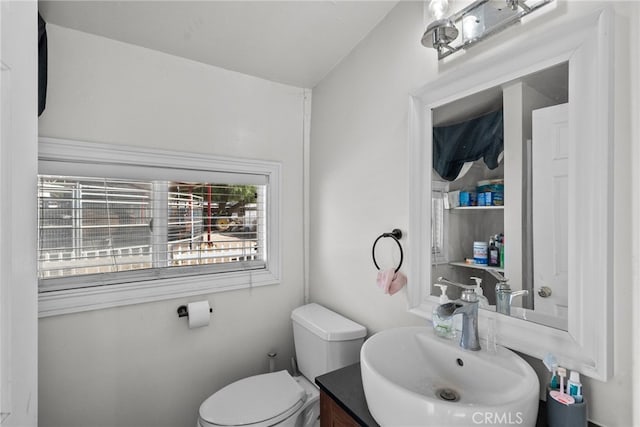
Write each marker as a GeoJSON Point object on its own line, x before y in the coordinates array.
{"type": "Point", "coordinates": [261, 401]}
{"type": "Point", "coordinates": [324, 341]}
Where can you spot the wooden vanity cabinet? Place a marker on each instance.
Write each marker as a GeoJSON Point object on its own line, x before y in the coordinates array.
{"type": "Point", "coordinates": [332, 414]}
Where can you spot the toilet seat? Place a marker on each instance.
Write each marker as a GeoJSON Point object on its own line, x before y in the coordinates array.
{"type": "Point", "coordinates": [261, 400]}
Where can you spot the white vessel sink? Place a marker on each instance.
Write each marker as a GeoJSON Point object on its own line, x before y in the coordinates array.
{"type": "Point", "coordinates": [409, 373]}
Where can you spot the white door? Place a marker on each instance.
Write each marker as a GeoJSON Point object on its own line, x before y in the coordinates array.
{"type": "Point", "coordinates": [18, 214]}
{"type": "Point", "coordinates": [550, 157]}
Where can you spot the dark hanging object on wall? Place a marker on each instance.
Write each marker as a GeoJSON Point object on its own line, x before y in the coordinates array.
{"type": "Point", "coordinates": [42, 64]}
{"type": "Point", "coordinates": [454, 145]}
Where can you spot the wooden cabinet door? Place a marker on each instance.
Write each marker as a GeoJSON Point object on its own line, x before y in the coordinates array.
{"type": "Point", "coordinates": [332, 415]}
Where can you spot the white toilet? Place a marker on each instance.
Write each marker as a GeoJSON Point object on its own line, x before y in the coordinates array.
{"type": "Point", "coordinates": [324, 341]}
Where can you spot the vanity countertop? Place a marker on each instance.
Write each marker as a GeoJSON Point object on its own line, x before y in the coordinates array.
{"type": "Point", "coordinates": [345, 387]}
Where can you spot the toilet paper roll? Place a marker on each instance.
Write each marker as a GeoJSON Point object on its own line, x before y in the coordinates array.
{"type": "Point", "coordinates": [198, 314]}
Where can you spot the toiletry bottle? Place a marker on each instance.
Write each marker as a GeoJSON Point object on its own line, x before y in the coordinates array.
{"type": "Point", "coordinates": [443, 327]}
{"type": "Point", "coordinates": [502, 253]}
{"type": "Point", "coordinates": [574, 386]}
{"type": "Point", "coordinates": [480, 253]}
{"type": "Point", "coordinates": [482, 300]}
{"type": "Point", "coordinates": [494, 253]}
{"type": "Point", "coordinates": [559, 395]}
{"type": "Point", "coordinates": [555, 383]}
{"type": "Point", "coordinates": [551, 363]}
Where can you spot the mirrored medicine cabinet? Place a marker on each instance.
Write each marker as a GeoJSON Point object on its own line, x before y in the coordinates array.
{"type": "Point", "coordinates": [553, 86]}
{"type": "Point", "coordinates": [525, 121]}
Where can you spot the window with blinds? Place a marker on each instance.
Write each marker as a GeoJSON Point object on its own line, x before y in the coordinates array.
{"type": "Point", "coordinates": [438, 222]}
{"type": "Point", "coordinates": [104, 231]}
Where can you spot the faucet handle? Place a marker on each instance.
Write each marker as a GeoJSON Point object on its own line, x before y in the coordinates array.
{"type": "Point", "coordinates": [495, 273]}
{"type": "Point", "coordinates": [460, 285]}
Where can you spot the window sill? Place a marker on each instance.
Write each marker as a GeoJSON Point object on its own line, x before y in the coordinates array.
{"type": "Point", "coordinates": [99, 297]}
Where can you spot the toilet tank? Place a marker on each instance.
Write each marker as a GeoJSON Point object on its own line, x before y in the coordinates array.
{"type": "Point", "coordinates": [324, 340]}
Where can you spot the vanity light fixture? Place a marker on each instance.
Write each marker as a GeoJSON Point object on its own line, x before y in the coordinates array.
{"type": "Point", "coordinates": [442, 30]}
{"type": "Point", "coordinates": [478, 20]}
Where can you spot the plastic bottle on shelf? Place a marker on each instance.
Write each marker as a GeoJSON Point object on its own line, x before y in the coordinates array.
{"type": "Point", "coordinates": [494, 254]}
{"type": "Point", "coordinates": [480, 253]}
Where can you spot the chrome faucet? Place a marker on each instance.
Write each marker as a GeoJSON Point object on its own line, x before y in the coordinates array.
{"type": "Point", "coordinates": [467, 306]}
{"type": "Point", "coordinates": [504, 294]}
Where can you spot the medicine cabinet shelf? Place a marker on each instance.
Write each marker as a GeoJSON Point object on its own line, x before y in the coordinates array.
{"type": "Point", "coordinates": [476, 208]}
{"type": "Point", "coordinates": [476, 266]}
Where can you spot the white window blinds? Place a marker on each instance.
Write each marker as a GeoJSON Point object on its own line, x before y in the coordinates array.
{"type": "Point", "coordinates": [97, 231]}
{"type": "Point", "coordinates": [437, 223]}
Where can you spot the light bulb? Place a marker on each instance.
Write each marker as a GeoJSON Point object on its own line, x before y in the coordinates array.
{"type": "Point", "coordinates": [438, 8]}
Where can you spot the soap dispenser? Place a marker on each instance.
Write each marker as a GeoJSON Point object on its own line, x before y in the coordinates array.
{"type": "Point", "coordinates": [443, 326]}
{"type": "Point", "coordinates": [483, 302]}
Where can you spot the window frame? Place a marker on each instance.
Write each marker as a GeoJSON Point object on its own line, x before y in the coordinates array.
{"type": "Point", "coordinates": [69, 157]}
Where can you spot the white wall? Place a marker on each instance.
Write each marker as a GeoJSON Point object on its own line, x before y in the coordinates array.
{"type": "Point", "coordinates": [18, 219]}
{"type": "Point", "coordinates": [635, 201]}
{"type": "Point", "coordinates": [140, 365]}
{"type": "Point", "coordinates": [358, 171]}
{"type": "Point", "coordinates": [359, 181]}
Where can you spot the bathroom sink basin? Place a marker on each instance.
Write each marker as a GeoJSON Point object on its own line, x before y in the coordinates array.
{"type": "Point", "coordinates": [412, 377]}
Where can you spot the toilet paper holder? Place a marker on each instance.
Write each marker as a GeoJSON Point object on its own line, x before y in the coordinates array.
{"type": "Point", "coordinates": [183, 311]}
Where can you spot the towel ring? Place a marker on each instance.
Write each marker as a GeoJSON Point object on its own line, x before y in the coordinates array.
{"type": "Point", "coordinates": [396, 234]}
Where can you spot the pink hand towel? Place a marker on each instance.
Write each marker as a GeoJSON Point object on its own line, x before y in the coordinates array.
{"type": "Point", "coordinates": [390, 281]}
{"type": "Point", "coordinates": [384, 280]}
{"type": "Point", "coordinates": [399, 280]}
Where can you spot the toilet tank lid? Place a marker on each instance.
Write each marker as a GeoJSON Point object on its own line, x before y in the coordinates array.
{"type": "Point", "coordinates": [327, 324]}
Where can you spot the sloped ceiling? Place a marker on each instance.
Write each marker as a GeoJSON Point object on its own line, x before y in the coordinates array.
{"type": "Point", "coordinates": [292, 42]}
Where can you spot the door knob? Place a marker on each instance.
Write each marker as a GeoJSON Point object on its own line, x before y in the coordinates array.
{"type": "Point", "coordinates": [544, 291]}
